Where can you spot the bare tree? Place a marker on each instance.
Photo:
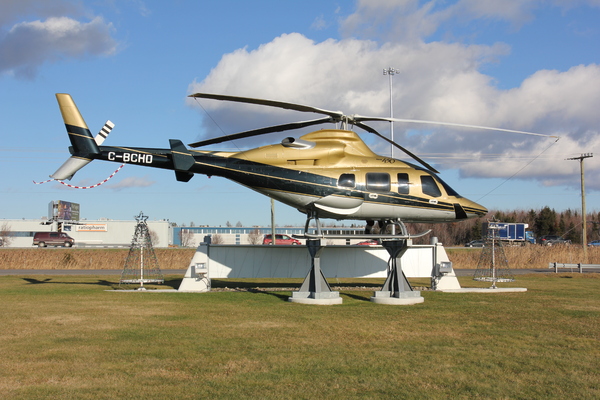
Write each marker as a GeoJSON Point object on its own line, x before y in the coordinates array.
{"type": "Point", "coordinates": [254, 237]}
{"type": "Point", "coordinates": [6, 234]}
{"type": "Point", "coordinates": [217, 239]}
{"type": "Point", "coordinates": [153, 237]}
{"type": "Point", "coordinates": [186, 237]}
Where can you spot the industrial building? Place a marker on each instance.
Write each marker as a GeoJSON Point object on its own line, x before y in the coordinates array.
{"type": "Point", "coordinates": [107, 233]}
{"type": "Point", "coordinates": [113, 233]}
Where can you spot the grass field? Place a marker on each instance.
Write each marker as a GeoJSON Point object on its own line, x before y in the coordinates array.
{"type": "Point", "coordinates": [75, 337]}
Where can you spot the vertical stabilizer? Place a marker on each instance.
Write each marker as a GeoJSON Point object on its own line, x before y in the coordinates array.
{"type": "Point", "coordinates": [84, 146]}
{"type": "Point", "coordinates": [80, 136]}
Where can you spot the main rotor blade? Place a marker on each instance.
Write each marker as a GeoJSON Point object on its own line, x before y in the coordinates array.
{"type": "Point", "coordinates": [271, 103]}
{"type": "Point", "coordinates": [418, 121]}
{"type": "Point", "coordinates": [415, 157]}
{"type": "Point", "coordinates": [261, 131]}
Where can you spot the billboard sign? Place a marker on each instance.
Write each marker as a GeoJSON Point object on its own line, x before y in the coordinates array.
{"type": "Point", "coordinates": [63, 210]}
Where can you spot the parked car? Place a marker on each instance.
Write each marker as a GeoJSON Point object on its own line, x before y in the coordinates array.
{"type": "Point", "coordinates": [281, 239]}
{"type": "Point", "coordinates": [550, 240]}
{"type": "Point", "coordinates": [370, 242]}
{"type": "Point", "coordinates": [43, 239]}
{"type": "Point", "coordinates": [475, 243]}
{"type": "Point", "coordinates": [594, 243]}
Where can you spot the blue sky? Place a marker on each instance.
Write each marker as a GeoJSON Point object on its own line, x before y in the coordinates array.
{"type": "Point", "coordinates": [517, 64]}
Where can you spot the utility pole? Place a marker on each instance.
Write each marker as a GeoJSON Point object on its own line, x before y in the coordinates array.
{"type": "Point", "coordinates": [391, 72]}
{"type": "Point", "coordinates": [583, 212]}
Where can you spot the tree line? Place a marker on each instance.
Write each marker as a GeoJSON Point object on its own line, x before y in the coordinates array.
{"type": "Point", "coordinates": [546, 221]}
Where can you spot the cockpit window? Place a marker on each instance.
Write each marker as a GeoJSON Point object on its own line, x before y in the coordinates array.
{"type": "Point", "coordinates": [449, 190]}
{"type": "Point", "coordinates": [429, 186]}
{"type": "Point", "coordinates": [378, 182]}
{"type": "Point", "coordinates": [403, 187]}
{"type": "Point", "coordinates": [347, 181]}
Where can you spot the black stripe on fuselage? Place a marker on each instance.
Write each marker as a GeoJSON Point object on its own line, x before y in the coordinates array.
{"type": "Point", "coordinates": [286, 180]}
{"type": "Point", "coordinates": [264, 177]}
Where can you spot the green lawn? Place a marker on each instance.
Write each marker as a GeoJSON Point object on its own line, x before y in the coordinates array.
{"type": "Point", "coordinates": [68, 337]}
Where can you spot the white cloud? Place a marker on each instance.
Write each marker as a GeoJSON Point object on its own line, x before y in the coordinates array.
{"type": "Point", "coordinates": [132, 182]}
{"type": "Point", "coordinates": [13, 10]}
{"type": "Point", "coordinates": [436, 81]}
{"type": "Point", "coordinates": [412, 21]}
{"type": "Point", "coordinates": [28, 45]}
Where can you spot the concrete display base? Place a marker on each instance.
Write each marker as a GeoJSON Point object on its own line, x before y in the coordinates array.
{"type": "Point", "coordinates": [484, 290]}
{"type": "Point", "coordinates": [315, 289]}
{"type": "Point", "coordinates": [310, 300]}
{"type": "Point", "coordinates": [196, 279]}
{"type": "Point", "coordinates": [144, 291]}
{"type": "Point", "coordinates": [404, 298]}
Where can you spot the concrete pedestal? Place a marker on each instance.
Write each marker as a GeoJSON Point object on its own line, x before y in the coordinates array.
{"type": "Point", "coordinates": [315, 289]}
{"type": "Point", "coordinates": [195, 279]}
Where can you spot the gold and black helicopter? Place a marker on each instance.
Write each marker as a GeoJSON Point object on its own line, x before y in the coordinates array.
{"type": "Point", "coordinates": [329, 173]}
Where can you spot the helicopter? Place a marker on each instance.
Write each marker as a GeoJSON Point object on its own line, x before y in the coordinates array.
{"type": "Point", "coordinates": [327, 173]}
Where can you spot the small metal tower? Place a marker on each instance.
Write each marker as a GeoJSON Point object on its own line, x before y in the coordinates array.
{"type": "Point", "coordinates": [493, 265]}
{"type": "Point", "coordinates": [141, 265]}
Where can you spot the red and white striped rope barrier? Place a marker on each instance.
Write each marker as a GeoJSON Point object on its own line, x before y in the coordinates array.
{"type": "Point", "coordinates": [83, 187]}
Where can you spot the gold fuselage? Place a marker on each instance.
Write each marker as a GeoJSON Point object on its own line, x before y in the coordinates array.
{"type": "Point", "coordinates": [309, 178]}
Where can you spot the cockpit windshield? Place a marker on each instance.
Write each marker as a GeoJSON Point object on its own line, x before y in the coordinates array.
{"type": "Point", "coordinates": [449, 190]}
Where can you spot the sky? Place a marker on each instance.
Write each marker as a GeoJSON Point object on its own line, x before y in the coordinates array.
{"type": "Point", "coordinates": [526, 65]}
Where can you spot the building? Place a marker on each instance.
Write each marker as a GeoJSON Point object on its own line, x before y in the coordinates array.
{"type": "Point", "coordinates": [108, 233]}
{"type": "Point", "coordinates": [112, 233]}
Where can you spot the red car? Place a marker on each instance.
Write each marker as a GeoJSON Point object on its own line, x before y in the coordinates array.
{"type": "Point", "coordinates": [281, 239]}
{"type": "Point", "coordinates": [371, 242]}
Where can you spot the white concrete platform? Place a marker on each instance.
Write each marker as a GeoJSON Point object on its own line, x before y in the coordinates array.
{"type": "Point", "coordinates": [397, 301]}
{"type": "Point", "coordinates": [245, 261]}
{"type": "Point", "coordinates": [319, 302]}
{"type": "Point", "coordinates": [484, 290]}
{"type": "Point", "coordinates": [143, 291]}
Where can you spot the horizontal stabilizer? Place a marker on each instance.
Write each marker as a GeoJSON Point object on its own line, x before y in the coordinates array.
{"type": "Point", "coordinates": [182, 158]}
{"type": "Point", "coordinates": [68, 169]}
{"type": "Point", "coordinates": [182, 176]}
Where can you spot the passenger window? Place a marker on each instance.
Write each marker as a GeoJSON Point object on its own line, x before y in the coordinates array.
{"type": "Point", "coordinates": [403, 184]}
{"type": "Point", "coordinates": [429, 186]}
{"type": "Point", "coordinates": [347, 181]}
{"type": "Point", "coordinates": [378, 182]}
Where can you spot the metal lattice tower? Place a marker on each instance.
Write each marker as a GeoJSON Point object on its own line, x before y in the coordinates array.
{"type": "Point", "coordinates": [493, 265]}
{"type": "Point", "coordinates": [141, 265]}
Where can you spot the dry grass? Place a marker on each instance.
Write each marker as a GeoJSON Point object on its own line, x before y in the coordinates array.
{"type": "Point", "coordinates": [109, 259]}
{"type": "Point", "coordinates": [529, 257]}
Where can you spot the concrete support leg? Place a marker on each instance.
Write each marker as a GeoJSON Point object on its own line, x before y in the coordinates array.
{"type": "Point", "coordinates": [315, 289]}
{"type": "Point", "coordinates": [396, 289]}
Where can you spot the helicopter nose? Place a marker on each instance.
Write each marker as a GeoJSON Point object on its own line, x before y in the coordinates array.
{"type": "Point", "coordinates": [469, 209]}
